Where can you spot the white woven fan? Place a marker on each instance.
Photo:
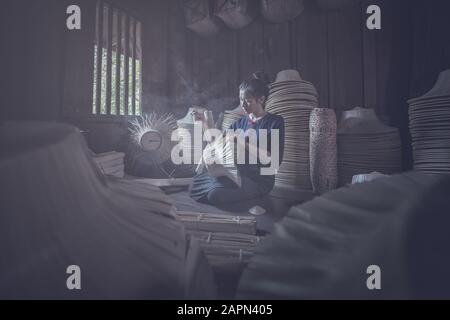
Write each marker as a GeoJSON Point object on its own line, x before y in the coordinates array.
{"type": "Point", "coordinates": [152, 133]}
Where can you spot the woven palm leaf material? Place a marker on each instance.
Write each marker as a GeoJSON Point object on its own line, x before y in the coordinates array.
{"type": "Point", "coordinates": [322, 248]}
{"type": "Point", "coordinates": [219, 158]}
{"type": "Point", "coordinates": [293, 99]}
{"type": "Point", "coordinates": [59, 210]}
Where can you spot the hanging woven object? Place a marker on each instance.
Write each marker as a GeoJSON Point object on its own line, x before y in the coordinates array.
{"type": "Point", "coordinates": [279, 11]}
{"type": "Point", "coordinates": [323, 150]}
{"type": "Point", "coordinates": [235, 13]}
{"type": "Point", "coordinates": [200, 17]}
{"type": "Point", "coordinates": [335, 5]}
{"type": "Point", "coordinates": [152, 135]}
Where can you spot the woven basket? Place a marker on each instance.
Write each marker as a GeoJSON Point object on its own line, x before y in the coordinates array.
{"type": "Point", "coordinates": [235, 14]}
{"type": "Point", "coordinates": [323, 150]}
{"type": "Point", "coordinates": [200, 18]}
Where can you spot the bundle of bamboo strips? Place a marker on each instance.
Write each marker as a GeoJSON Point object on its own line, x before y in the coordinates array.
{"type": "Point", "coordinates": [111, 163]}
{"type": "Point", "coordinates": [211, 222]}
{"type": "Point", "coordinates": [226, 252]}
{"type": "Point", "coordinates": [219, 158]}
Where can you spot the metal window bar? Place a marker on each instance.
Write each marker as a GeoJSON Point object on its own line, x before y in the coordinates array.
{"type": "Point", "coordinates": [117, 87]}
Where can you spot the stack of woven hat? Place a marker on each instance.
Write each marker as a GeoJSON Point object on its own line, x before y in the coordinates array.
{"type": "Point", "coordinates": [293, 99]}
{"type": "Point", "coordinates": [429, 124]}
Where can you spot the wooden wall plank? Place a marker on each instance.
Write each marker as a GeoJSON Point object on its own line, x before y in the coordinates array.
{"type": "Point", "coordinates": [277, 48]}
{"type": "Point", "coordinates": [371, 68]}
{"type": "Point", "coordinates": [431, 49]}
{"type": "Point", "coordinates": [204, 84]}
{"type": "Point", "coordinates": [388, 58]}
{"type": "Point", "coordinates": [13, 61]}
{"type": "Point", "coordinates": [44, 60]}
{"type": "Point", "coordinates": [224, 80]}
{"type": "Point", "coordinates": [155, 78]}
{"type": "Point", "coordinates": [311, 51]}
{"type": "Point", "coordinates": [180, 61]}
{"type": "Point", "coordinates": [399, 75]}
{"type": "Point", "coordinates": [79, 65]}
{"type": "Point", "coordinates": [251, 48]}
{"type": "Point", "coordinates": [345, 59]}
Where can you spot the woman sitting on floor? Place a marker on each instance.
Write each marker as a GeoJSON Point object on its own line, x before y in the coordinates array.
{"type": "Point", "coordinates": [221, 190]}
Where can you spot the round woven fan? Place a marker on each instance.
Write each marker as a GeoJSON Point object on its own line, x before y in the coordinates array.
{"type": "Point", "coordinates": [152, 133]}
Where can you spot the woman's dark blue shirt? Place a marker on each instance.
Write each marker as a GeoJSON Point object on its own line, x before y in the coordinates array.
{"type": "Point", "coordinates": [203, 183]}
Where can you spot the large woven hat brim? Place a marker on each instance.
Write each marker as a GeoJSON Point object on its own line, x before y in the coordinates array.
{"type": "Point", "coordinates": [288, 75]}
{"type": "Point", "coordinates": [290, 83]}
{"type": "Point", "coordinates": [440, 89]}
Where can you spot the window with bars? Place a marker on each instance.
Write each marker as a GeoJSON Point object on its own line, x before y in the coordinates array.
{"type": "Point", "coordinates": [117, 62]}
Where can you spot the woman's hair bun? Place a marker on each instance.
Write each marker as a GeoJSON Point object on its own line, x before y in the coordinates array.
{"type": "Point", "coordinates": [260, 75]}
